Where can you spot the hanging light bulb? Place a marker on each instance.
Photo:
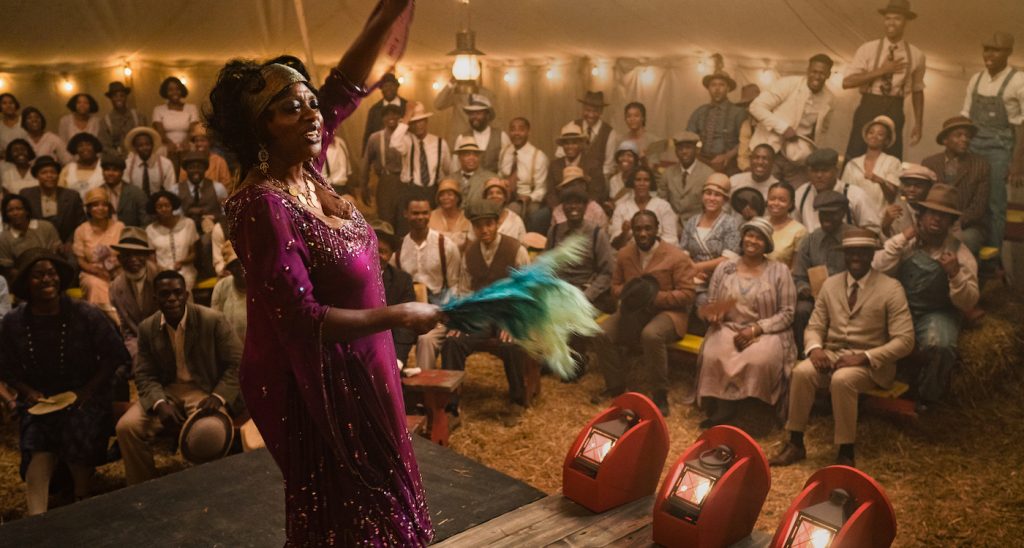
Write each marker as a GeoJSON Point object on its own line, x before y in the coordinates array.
{"type": "Point", "coordinates": [702, 66]}
{"type": "Point", "coordinates": [184, 81]}
{"type": "Point", "coordinates": [67, 85]}
{"type": "Point", "coordinates": [466, 67]}
{"type": "Point", "coordinates": [437, 85]}
{"type": "Point", "coordinates": [3, 83]}
{"type": "Point", "coordinates": [127, 70]}
{"type": "Point", "coordinates": [551, 73]}
{"type": "Point", "coordinates": [509, 77]}
{"type": "Point", "coordinates": [647, 75]}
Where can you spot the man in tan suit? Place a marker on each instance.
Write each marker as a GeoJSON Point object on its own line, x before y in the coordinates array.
{"type": "Point", "coordinates": [860, 327]}
{"type": "Point", "coordinates": [665, 322]}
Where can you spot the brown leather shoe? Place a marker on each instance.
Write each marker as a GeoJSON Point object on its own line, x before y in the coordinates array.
{"type": "Point", "coordinates": [790, 454]}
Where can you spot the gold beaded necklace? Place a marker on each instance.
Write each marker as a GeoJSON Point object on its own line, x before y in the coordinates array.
{"type": "Point", "coordinates": [304, 192]}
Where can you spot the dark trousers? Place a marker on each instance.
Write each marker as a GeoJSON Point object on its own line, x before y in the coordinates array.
{"type": "Point", "coordinates": [871, 106]}
{"type": "Point", "coordinates": [456, 349]}
{"type": "Point", "coordinates": [389, 188]}
{"type": "Point", "coordinates": [657, 333]}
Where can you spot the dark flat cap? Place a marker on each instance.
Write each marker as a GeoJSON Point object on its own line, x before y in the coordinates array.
{"type": "Point", "coordinates": [830, 200]}
{"type": "Point", "coordinates": [482, 209]}
{"type": "Point", "coordinates": [823, 157]}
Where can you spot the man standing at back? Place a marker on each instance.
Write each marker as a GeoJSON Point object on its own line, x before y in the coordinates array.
{"type": "Point", "coordinates": [718, 124]}
{"type": "Point", "coordinates": [492, 141]}
{"type": "Point", "coordinates": [886, 70]}
{"type": "Point", "coordinates": [389, 96]}
{"type": "Point", "coordinates": [599, 157]}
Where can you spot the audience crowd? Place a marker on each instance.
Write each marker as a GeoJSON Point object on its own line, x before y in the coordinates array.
{"type": "Point", "coordinates": [801, 268]}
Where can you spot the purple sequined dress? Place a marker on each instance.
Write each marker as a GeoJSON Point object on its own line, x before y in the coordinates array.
{"type": "Point", "coordinates": [331, 414]}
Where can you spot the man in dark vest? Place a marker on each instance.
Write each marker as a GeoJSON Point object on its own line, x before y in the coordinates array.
{"type": "Point", "coordinates": [384, 163]}
{"type": "Point", "coordinates": [487, 260]}
{"type": "Point", "coordinates": [116, 124]}
{"type": "Point", "coordinates": [491, 141]}
{"type": "Point", "coordinates": [886, 71]}
{"type": "Point", "coordinates": [718, 124]}
{"type": "Point", "coordinates": [200, 201]}
{"type": "Point", "coordinates": [389, 96]}
{"type": "Point", "coordinates": [599, 157]}
{"type": "Point", "coordinates": [968, 172]}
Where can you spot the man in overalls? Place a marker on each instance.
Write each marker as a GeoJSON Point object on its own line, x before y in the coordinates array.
{"type": "Point", "coordinates": [940, 276]}
{"type": "Point", "coordinates": [886, 71]}
{"type": "Point", "coordinates": [995, 103]}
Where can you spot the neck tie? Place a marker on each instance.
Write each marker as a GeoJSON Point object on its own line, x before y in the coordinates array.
{"type": "Point", "coordinates": [195, 195]}
{"type": "Point", "coordinates": [145, 179]}
{"type": "Point", "coordinates": [424, 168]}
{"type": "Point", "coordinates": [852, 299]}
{"type": "Point", "coordinates": [515, 163]}
{"type": "Point", "coordinates": [685, 175]}
{"type": "Point", "coordinates": [590, 132]}
{"type": "Point", "coordinates": [887, 79]}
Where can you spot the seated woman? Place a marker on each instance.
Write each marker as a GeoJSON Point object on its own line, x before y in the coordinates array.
{"type": "Point", "coordinates": [81, 119]}
{"type": "Point", "coordinates": [60, 206]}
{"type": "Point", "coordinates": [643, 184]}
{"type": "Point", "coordinates": [448, 218]}
{"type": "Point", "coordinates": [44, 143]}
{"type": "Point", "coordinates": [748, 203]}
{"type": "Point", "coordinates": [53, 344]}
{"type": "Point", "coordinates": [16, 171]}
{"type": "Point", "coordinates": [84, 173]}
{"type": "Point", "coordinates": [787, 233]}
{"type": "Point", "coordinates": [22, 233]}
{"type": "Point", "coordinates": [173, 236]}
{"type": "Point", "coordinates": [712, 237]}
{"type": "Point", "coordinates": [96, 259]}
{"type": "Point", "coordinates": [627, 157]}
{"type": "Point", "coordinates": [509, 223]}
{"type": "Point", "coordinates": [876, 172]}
{"type": "Point", "coordinates": [749, 349]}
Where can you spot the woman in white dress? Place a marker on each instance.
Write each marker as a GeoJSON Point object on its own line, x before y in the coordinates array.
{"type": "Point", "coordinates": [83, 174]}
{"type": "Point", "coordinates": [16, 171]}
{"type": "Point", "coordinates": [174, 118]}
{"type": "Point", "coordinates": [876, 172]}
{"type": "Point", "coordinates": [81, 119]}
{"type": "Point", "coordinates": [173, 236]}
{"type": "Point", "coordinates": [644, 185]}
{"type": "Point", "coordinates": [44, 143]}
{"type": "Point", "coordinates": [11, 127]}
{"type": "Point", "coordinates": [627, 157]}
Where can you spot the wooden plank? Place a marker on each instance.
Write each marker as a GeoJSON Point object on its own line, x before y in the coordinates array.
{"type": "Point", "coordinates": [609, 528]}
{"type": "Point", "coordinates": [434, 380]}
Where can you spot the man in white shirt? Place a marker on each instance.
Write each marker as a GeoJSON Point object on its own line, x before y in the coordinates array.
{"type": "Point", "coordinates": [433, 261]}
{"type": "Point", "coordinates": [885, 71]}
{"type": "Point", "coordinates": [143, 168]}
{"type": "Point", "coordinates": [525, 167]}
{"type": "Point", "coordinates": [793, 110]}
{"type": "Point", "coordinates": [762, 162]}
{"type": "Point", "coordinates": [599, 157]}
{"type": "Point", "coordinates": [491, 141]}
{"type": "Point", "coordinates": [995, 103]}
{"type": "Point", "coordinates": [823, 172]}
{"type": "Point", "coordinates": [425, 156]}
{"type": "Point", "coordinates": [338, 166]}
{"type": "Point", "coordinates": [389, 96]}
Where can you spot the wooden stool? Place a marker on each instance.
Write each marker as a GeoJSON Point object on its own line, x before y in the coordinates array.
{"type": "Point", "coordinates": [436, 387]}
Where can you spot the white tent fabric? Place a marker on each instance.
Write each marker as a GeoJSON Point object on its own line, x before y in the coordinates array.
{"type": "Point", "coordinates": [644, 50]}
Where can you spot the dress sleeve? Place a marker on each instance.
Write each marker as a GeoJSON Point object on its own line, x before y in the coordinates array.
{"type": "Point", "coordinates": [785, 301]}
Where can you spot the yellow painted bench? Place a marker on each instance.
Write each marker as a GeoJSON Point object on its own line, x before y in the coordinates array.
{"type": "Point", "coordinates": [75, 292]}
{"type": "Point", "coordinates": [689, 344]}
{"type": "Point", "coordinates": [889, 402]}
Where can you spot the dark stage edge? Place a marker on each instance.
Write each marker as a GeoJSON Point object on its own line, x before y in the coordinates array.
{"type": "Point", "coordinates": [239, 501]}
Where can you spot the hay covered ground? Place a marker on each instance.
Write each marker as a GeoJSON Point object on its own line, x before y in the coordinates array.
{"type": "Point", "coordinates": [955, 479]}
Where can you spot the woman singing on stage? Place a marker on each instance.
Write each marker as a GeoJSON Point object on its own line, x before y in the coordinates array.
{"type": "Point", "coordinates": [319, 371]}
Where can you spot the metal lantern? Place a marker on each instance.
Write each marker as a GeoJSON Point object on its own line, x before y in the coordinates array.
{"type": "Point", "coordinates": [697, 480]}
{"type": "Point", "coordinates": [466, 67]}
{"type": "Point", "coordinates": [817, 525]}
{"type": "Point", "coordinates": [601, 439]}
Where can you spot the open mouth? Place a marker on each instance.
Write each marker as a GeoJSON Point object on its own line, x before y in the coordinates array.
{"type": "Point", "coordinates": [313, 135]}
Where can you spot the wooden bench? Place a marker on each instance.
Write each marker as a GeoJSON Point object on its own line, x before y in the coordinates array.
{"type": "Point", "coordinates": [435, 387]}
{"type": "Point", "coordinates": [888, 401]}
{"type": "Point", "coordinates": [689, 344]}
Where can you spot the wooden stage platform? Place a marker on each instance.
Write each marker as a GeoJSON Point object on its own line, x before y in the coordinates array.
{"type": "Point", "coordinates": [239, 502]}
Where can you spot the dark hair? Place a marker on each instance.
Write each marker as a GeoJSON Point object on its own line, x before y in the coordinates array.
{"type": "Point", "coordinates": [748, 197]}
{"type": "Point", "coordinates": [79, 137]}
{"type": "Point", "coordinates": [227, 117]}
{"type": "Point", "coordinates": [43, 162]}
{"type": "Point", "coordinates": [408, 201]}
{"type": "Point", "coordinates": [170, 275]}
{"type": "Point", "coordinates": [10, 198]}
{"type": "Point", "coordinates": [639, 106]}
{"type": "Point", "coordinates": [821, 58]}
{"type": "Point", "coordinates": [521, 119]}
{"type": "Point", "coordinates": [30, 110]}
{"type": "Point", "coordinates": [94, 107]}
{"type": "Point", "coordinates": [645, 213]}
{"type": "Point", "coordinates": [171, 197]}
{"type": "Point", "coordinates": [771, 151]}
{"type": "Point", "coordinates": [168, 81]}
{"type": "Point", "coordinates": [17, 104]}
{"type": "Point", "coordinates": [290, 61]}
{"type": "Point", "coordinates": [788, 188]}
{"type": "Point", "coordinates": [391, 109]}
{"type": "Point", "coordinates": [650, 173]}
{"type": "Point", "coordinates": [19, 141]}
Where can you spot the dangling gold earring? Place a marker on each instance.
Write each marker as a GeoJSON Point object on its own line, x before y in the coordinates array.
{"type": "Point", "coordinates": [264, 157]}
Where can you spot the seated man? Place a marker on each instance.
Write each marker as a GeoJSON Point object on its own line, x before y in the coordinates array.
{"type": "Point", "coordinates": [684, 182]}
{"type": "Point", "coordinates": [673, 270]}
{"type": "Point", "coordinates": [188, 360]}
{"type": "Point", "coordinates": [820, 248]}
{"type": "Point", "coordinates": [129, 201]}
{"type": "Point", "coordinates": [762, 162]}
{"type": "Point", "coordinates": [940, 277]}
{"type": "Point", "coordinates": [915, 182]}
{"type": "Point", "coordinates": [397, 288]}
{"type": "Point", "coordinates": [861, 326]}
{"type": "Point", "coordinates": [592, 274]}
{"type": "Point", "coordinates": [131, 292]}
{"type": "Point", "coordinates": [574, 177]}
{"type": "Point", "coordinates": [489, 259]}
{"type": "Point", "coordinates": [823, 172]}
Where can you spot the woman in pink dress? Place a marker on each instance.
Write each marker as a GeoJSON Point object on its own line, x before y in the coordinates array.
{"type": "Point", "coordinates": [318, 372]}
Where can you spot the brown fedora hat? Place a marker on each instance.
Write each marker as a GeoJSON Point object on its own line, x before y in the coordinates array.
{"type": "Point", "coordinates": [206, 436]}
{"type": "Point", "coordinates": [901, 7]}
{"type": "Point", "coordinates": [954, 123]}
{"type": "Point", "coordinates": [594, 99]}
{"type": "Point", "coordinates": [941, 197]}
{"type": "Point", "coordinates": [720, 75]}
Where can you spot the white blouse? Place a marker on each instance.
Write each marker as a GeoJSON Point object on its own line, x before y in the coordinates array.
{"type": "Point", "coordinates": [176, 122]}
{"type": "Point", "coordinates": [173, 245]}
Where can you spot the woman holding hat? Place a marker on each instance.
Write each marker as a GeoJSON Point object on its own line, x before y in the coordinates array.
{"type": "Point", "coordinates": [52, 345]}
{"type": "Point", "coordinates": [643, 184]}
{"type": "Point", "coordinates": [712, 237]}
{"type": "Point", "coordinates": [22, 232]}
{"type": "Point", "coordinates": [44, 143]}
{"type": "Point", "coordinates": [81, 119]}
{"type": "Point", "coordinates": [92, 247]}
{"type": "Point", "coordinates": [749, 349]}
{"type": "Point", "coordinates": [173, 236]}
{"type": "Point", "coordinates": [876, 172]}
{"type": "Point", "coordinates": [84, 173]}
{"type": "Point", "coordinates": [318, 371]}
{"type": "Point", "coordinates": [448, 217]}
{"type": "Point", "coordinates": [509, 222]}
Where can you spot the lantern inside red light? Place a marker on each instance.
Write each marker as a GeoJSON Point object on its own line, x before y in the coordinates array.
{"type": "Point", "coordinates": [696, 481]}
{"type": "Point", "coordinates": [601, 439]}
{"type": "Point", "coordinates": [816, 526]}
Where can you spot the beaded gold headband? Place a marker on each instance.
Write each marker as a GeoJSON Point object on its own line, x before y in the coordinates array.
{"type": "Point", "coordinates": [277, 78]}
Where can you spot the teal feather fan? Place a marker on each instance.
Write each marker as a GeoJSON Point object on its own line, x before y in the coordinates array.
{"type": "Point", "coordinates": [538, 309]}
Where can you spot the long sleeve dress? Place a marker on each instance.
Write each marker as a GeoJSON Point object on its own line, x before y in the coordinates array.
{"type": "Point", "coordinates": [331, 413]}
{"type": "Point", "coordinates": [761, 370]}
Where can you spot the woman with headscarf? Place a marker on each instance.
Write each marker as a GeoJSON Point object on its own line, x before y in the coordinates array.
{"type": "Point", "coordinates": [92, 247]}
{"type": "Point", "coordinates": [876, 172]}
{"type": "Point", "coordinates": [84, 173]}
{"type": "Point", "coordinates": [81, 119]}
{"type": "Point", "coordinates": [712, 237]}
{"type": "Point", "coordinates": [748, 350]}
{"type": "Point", "coordinates": [173, 236]}
{"type": "Point", "coordinates": [318, 371]}
{"type": "Point", "coordinates": [44, 143]}
{"type": "Point", "coordinates": [52, 344]}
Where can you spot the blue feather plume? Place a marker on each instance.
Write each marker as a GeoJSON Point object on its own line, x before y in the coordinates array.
{"type": "Point", "coordinates": [539, 310]}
